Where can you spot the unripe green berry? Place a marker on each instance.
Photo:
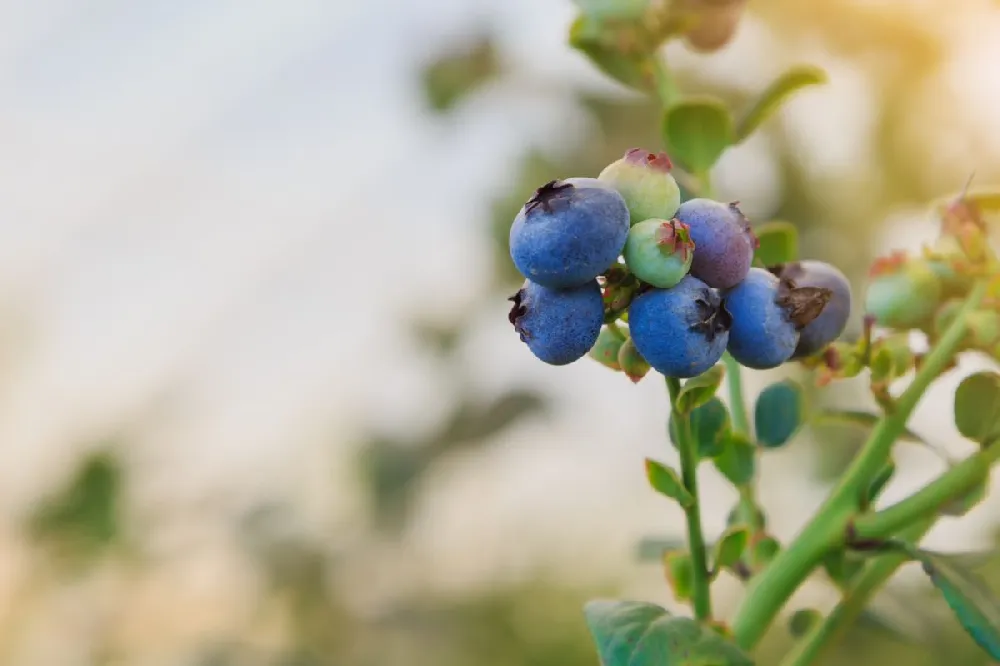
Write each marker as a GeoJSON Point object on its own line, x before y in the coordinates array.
{"type": "Point", "coordinates": [982, 326]}
{"type": "Point", "coordinates": [903, 293]}
{"type": "Point", "coordinates": [605, 350]}
{"type": "Point", "coordinates": [631, 362]}
{"type": "Point", "coordinates": [644, 181]}
{"type": "Point", "coordinates": [659, 252]}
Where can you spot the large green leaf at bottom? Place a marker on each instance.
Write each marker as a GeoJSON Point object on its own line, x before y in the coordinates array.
{"type": "Point", "coordinates": [635, 633]}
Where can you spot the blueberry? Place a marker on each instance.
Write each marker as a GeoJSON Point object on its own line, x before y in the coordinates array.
{"type": "Point", "coordinates": [682, 331]}
{"type": "Point", "coordinates": [558, 325]}
{"type": "Point", "coordinates": [768, 314]}
{"type": "Point", "coordinates": [903, 292]}
{"type": "Point", "coordinates": [659, 252]}
{"type": "Point", "coordinates": [827, 327]}
{"type": "Point", "coordinates": [644, 181]}
{"type": "Point", "coordinates": [569, 232]}
{"type": "Point", "coordinates": [724, 242]}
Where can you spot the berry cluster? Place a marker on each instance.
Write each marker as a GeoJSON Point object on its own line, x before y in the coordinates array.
{"type": "Point", "coordinates": [623, 246]}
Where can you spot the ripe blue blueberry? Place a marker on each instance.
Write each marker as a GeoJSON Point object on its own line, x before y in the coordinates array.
{"type": "Point", "coordinates": [558, 325]}
{"type": "Point", "coordinates": [768, 314]}
{"type": "Point", "coordinates": [827, 327]}
{"type": "Point", "coordinates": [569, 232]}
{"type": "Point", "coordinates": [724, 242]}
{"type": "Point", "coordinates": [682, 331]}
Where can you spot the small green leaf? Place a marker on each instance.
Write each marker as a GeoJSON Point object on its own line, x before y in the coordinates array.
{"type": "Point", "coordinates": [710, 426]}
{"type": "Point", "coordinates": [729, 548]}
{"type": "Point", "coordinates": [633, 633]}
{"type": "Point", "coordinates": [778, 243]}
{"type": "Point", "coordinates": [679, 572]}
{"type": "Point", "coordinates": [633, 69]}
{"type": "Point", "coordinates": [779, 412]}
{"type": "Point", "coordinates": [969, 597]}
{"type": "Point", "coordinates": [666, 482]}
{"type": "Point", "coordinates": [697, 131]}
{"type": "Point", "coordinates": [455, 75]}
{"type": "Point", "coordinates": [775, 95]}
{"type": "Point", "coordinates": [842, 569]}
{"type": "Point", "coordinates": [763, 550]}
{"type": "Point", "coordinates": [803, 620]}
{"type": "Point", "coordinates": [977, 407]}
{"type": "Point", "coordinates": [699, 390]}
{"type": "Point", "coordinates": [737, 460]}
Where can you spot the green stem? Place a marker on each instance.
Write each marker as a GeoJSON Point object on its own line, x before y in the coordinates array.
{"type": "Point", "coordinates": [854, 602]}
{"type": "Point", "coordinates": [769, 592]}
{"type": "Point", "coordinates": [957, 481]}
{"type": "Point", "coordinates": [666, 89]}
{"type": "Point", "coordinates": [688, 450]}
{"type": "Point", "coordinates": [737, 405]}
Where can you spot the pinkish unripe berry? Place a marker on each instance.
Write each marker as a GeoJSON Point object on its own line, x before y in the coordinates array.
{"type": "Point", "coordinates": [659, 252]}
{"type": "Point", "coordinates": [714, 23]}
{"type": "Point", "coordinates": [903, 293]}
{"type": "Point", "coordinates": [644, 181]}
{"type": "Point", "coordinates": [631, 362]}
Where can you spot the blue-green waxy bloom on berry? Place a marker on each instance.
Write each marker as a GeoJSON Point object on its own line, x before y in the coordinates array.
{"type": "Point", "coordinates": [723, 239]}
{"type": "Point", "coordinates": [659, 252]}
{"type": "Point", "coordinates": [768, 314]}
{"type": "Point", "coordinates": [682, 331]}
{"type": "Point", "coordinates": [569, 232]}
{"type": "Point", "coordinates": [558, 325]}
{"type": "Point", "coordinates": [903, 292]}
{"type": "Point", "coordinates": [644, 181]}
{"type": "Point", "coordinates": [827, 327]}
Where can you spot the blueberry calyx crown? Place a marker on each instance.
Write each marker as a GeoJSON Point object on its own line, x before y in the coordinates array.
{"type": "Point", "coordinates": [517, 311]}
{"type": "Point", "coordinates": [889, 264]}
{"type": "Point", "coordinates": [674, 237]}
{"type": "Point", "coordinates": [655, 161]}
{"type": "Point", "coordinates": [544, 195]}
{"type": "Point", "coordinates": [801, 304]}
{"type": "Point", "coordinates": [713, 319]}
{"type": "Point", "coordinates": [745, 223]}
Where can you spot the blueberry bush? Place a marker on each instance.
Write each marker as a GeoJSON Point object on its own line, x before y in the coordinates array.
{"type": "Point", "coordinates": [619, 268]}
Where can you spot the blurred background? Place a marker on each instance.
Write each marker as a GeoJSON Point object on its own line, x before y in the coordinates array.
{"type": "Point", "coordinates": [259, 400]}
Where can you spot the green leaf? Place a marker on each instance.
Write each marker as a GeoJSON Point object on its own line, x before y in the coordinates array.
{"type": "Point", "coordinates": [977, 407]}
{"type": "Point", "coordinates": [665, 481]}
{"type": "Point", "coordinates": [975, 606]}
{"type": "Point", "coordinates": [699, 390]}
{"type": "Point", "coordinates": [710, 426]}
{"type": "Point", "coordinates": [633, 633]}
{"type": "Point", "coordinates": [763, 550]}
{"type": "Point", "coordinates": [633, 70]}
{"type": "Point", "coordinates": [842, 569]}
{"type": "Point", "coordinates": [779, 412]}
{"type": "Point", "coordinates": [679, 571]}
{"type": "Point", "coordinates": [803, 620]}
{"type": "Point", "coordinates": [737, 460]}
{"type": "Point", "coordinates": [697, 131]}
{"type": "Point", "coordinates": [775, 95]}
{"type": "Point", "coordinates": [729, 548]}
{"type": "Point", "coordinates": [779, 243]}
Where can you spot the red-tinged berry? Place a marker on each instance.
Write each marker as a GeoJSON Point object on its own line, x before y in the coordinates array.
{"type": "Point", "coordinates": [643, 179]}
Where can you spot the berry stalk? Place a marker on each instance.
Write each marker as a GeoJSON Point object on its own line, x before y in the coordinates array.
{"type": "Point", "coordinates": [827, 529]}
{"type": "Point", "coordinates": [688, 450]}
{"type": "Point", "coordinates": [854, 601]}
